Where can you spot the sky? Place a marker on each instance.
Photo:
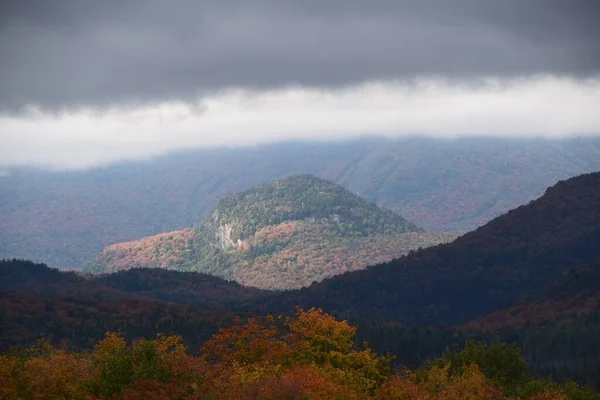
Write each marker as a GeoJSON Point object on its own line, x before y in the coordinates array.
{"type": "Point", "coordinates": [86, 83]}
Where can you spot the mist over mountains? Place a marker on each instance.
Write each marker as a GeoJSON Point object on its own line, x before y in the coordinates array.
{"type": "Point", "coordinates": [64, 218]}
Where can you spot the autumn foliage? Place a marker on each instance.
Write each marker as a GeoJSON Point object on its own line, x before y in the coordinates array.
{"type": "Point", "coordinates": [284, 234]}
{"type": "Point", "coordinates": [310, 355]}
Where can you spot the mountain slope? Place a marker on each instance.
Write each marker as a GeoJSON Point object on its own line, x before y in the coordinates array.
{"type": "Point", "coordinates": [299, 198]}
{"type": "Point", "coordinates": [279, 235]}
{"type": "Point", "coordinates": [496, 266]}
{"type": "Point", "coordinates": [573, 296]}
{"type": "Point", "coordinates": [65, 218]}
{"type": "Point", "coordinates": [75, 310]}
{"type": "Point", "coordinates": [141, 283]}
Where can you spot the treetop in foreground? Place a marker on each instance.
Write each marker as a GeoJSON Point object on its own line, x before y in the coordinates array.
{"type": "Point", "coordinates": [309, 355]}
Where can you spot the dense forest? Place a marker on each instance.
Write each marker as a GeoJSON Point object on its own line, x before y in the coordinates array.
{"type": "Point", "coordinates": [64, 218]}
{"type": "Point", "coordinates": [174, 286]}
{"type": "Point", "coordinates": [73, 310]}
{"type": "Point", "coordinates": [283, 234]}
{"type": "Point", "coordinates": [299, 198]}
{"type": "Point", "coordinates": [513, 257]}
{"type": "Point", "coordinates": [309, 355]}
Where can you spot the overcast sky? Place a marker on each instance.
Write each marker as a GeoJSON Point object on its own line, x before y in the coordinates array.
{"type": "Point", "coordinates": [84, 83]}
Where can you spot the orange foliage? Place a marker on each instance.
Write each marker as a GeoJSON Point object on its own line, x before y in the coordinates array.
{"type": "Point", "coordinates": [301, 381]}
{"type": "Point", "coordinates": [297, 352]}
{"type": "Point", "coordinates": [57, 375]}
{"type": "Point", "coordinates": [471, 384]}
{"type": "Point", "coordinates": [307, 356]}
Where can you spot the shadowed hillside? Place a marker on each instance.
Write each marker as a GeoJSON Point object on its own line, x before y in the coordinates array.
{"type": "Point", "coordinates": [506, 261]}
{"type": "Point", "coordinates": [75, 310]}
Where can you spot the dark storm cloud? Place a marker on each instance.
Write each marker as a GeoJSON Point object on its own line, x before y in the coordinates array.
{"type": "Point", "coordinates": [76, 53]}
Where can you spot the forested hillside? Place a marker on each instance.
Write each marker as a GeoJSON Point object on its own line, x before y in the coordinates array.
{"type": "Point", "coordinates": [557, 330]}
{"type": "Point", "coordinates": [279, 235]}
{"type": "Point", "coordinates": [74, 310]}
{"type": "Point", "coordinates": [511, 258]}
{"type": "Point", "coordinates": [64, 218]}
{"type": "Point", "coordinates": [573, 296]}
{"type": "Point", "coordinates": [174, 286]}
{"type": "Point", "coordinates": [300, 198]}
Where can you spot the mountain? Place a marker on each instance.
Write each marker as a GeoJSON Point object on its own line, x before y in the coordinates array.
{"type": "Point", "coordinates": [510, 259]}
{"type": "Point", "coordinates": [279, 235]}
{"type": "Point", "coordinates": [64, 218]}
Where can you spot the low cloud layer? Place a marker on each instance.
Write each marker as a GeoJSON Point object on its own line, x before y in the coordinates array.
{"type": "Point", "coordinates": [68, 54]}
{"type": "Point", "coordinates": [87, 82]}
{"type": "Point", "coordinates": [540, 106]}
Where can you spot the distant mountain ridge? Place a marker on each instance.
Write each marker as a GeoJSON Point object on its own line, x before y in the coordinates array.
{"type": "Point", "coordinates": [279, 235]}
{"type": "Point", "coordinates": [65, 218]}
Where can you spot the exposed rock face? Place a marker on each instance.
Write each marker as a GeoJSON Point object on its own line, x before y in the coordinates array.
{"type": "Point", "coordinates": [223, 236]}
